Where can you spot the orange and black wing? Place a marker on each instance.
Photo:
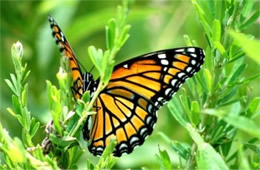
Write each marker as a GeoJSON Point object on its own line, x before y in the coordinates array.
{"type": "Point", "coordinates": [127, 107]}
{"type": "Point", "coordinates": [66, 51]}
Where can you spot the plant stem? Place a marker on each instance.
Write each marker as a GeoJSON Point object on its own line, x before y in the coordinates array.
{"type": "Point", "coordinates": [190, 161]}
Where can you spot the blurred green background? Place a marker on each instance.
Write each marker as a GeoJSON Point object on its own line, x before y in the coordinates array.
{"type": "Point", "coordinates": [154, 24]}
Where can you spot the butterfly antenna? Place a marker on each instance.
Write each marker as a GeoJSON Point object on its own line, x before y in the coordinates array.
{"type": "Point", "coordinates": [81, 65]}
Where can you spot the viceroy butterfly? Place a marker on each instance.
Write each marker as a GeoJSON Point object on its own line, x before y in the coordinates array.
{"type": "Point", "coordinates": [127, 107]}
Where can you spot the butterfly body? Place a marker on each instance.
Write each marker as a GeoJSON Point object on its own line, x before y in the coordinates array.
{"type": "Point", "coordinates": [127, 108]}
{"type": "Point", "coordinates": [89, 84]}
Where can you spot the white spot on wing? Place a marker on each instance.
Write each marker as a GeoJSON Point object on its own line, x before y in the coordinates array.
{"type": "Point", "coordinates": [125, 65]}
{"type": "Point", "coordinates": [122, 146]}
{"type": "Point", "coordinates": [193, 62]}
{"type": "Point", "coordinates": [148, 119]}
{"type": "Point", "coordinates": [143, 130]}
{"type": "Point", "coordinates": [160, 98]}
{"type": "Point", "coordinates": [133, 139]}
{"type": "Point", "coordinates": [167, 91]}
{"type": "Point", "coordinates": [161, 56]}
{"type": "Point", "coordinates": [191, 50]}
{"type": "Point", "coordinates": [173, 82]}
{"type": "Point", "coordinates": [150, 108]}
{"type": "Point", "coordinates": [164, 62]}
{"type": "Point", "coordinates": [180, 75]}
{"type": "Point", "coordinates": [188, 69]}
{"type": "Point", "coordinates": [99, 149]}
{"type": "Point", "coordinates": [193, 55]}
{"type": "Point", "coordinates": [180, 50]}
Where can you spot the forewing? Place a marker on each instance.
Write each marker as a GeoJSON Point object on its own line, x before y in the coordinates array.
{"type": "Point", "coordinates": [127, 108]}
{"type": "Point", "coordinates": [66, 51]}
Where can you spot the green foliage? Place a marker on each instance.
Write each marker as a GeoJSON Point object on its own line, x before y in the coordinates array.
{"type": "Point", "coordinates": [64, 143]}
{"type": "Point", "coordinates": [220, 111]}
{"type": "Point", "coordinates": [23, 154]}
{"type": "Point", "coordinates": [20, 89]}
{"type": "Point", "coordinates": [164, 159]}
{"type": "Point", "coordinates": [218, 107]}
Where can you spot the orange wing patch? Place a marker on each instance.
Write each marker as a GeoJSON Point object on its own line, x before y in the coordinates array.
{"type": "Point", "coordinates": [130, 130]}
{"type": "Point", "coordinates": [155, 85]}
{"type": "Point", "coordinates": [141, 112]}
{"type": "Point", "coordinates": [179, 65]}
{"type": "Point", "coordinates": [121, 136]}
{"type": "Point", "coordinates": [135, 68]}
{"type": "Point", "coordinates": [167, 78]}
{"type": "Point", "coordinates": [137, 122]}
{"type": "Point", "coordinates": [184, 58]}
{"type": "Point", "coordinates": [143, 103]}
{"type": "Point", "coordinates": [173, 71]}
{"type": "Point", "coordinates": [125, 101]}
{"type": "Point", "coordinates": [140, 90]}
{"type": "Point", "coordinates": [154, 75]}
{"type": "Point", "coordinates": [121, 92]}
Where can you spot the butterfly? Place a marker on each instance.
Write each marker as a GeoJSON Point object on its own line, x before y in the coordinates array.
{"type": "Point", "coordinates": [127, 108]}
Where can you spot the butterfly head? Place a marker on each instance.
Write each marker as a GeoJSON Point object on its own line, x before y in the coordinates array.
{"type": "Point", "coordinates": [89, 84]}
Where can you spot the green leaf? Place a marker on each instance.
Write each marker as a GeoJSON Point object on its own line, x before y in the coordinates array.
{"type": "Point", "coordinates": [185, 103]}
{"type": "Point", "coordinates": [221, 49]}
{"type": "Point", "coordinates": [110, 148]}
{"type": "Point", "coordinates": [124, 36]}
{"type": "Point", "coordinates": [251, 20]}
{"type": "Point", "coordinates": [18, 150]}
{"type": "Point", "coordinates": [55, 106]}
{"type": "Point", "coordinates": [34, 129]}
{"type": "Point", "coordinates": [11, 112]}
{"type": "Point", "coordinates": [235, 57]}
{"type": "Point", "coordinates": [86, 97]}
{"type": "Point", "coordinates": [195, 112]}
{"type": "Point", "coordinates": [25, 77]}
{"type": "Point", "coordinates": [24, 95]}
{"type": "Point", "coordinates": [243, 123]}
{"type": "Point", "coordinates": [208, 79]}
{"type": "Point", "coordinates": [96, 57]}
{"type": "Point", "coordinates": [237, 73]}
{"type": "Point", "coordinates": [247, 8]}
{"type": "Point", "coordinates": [182, 149]}
{"type": "Point", "coordinates": [16, 104]}
{"type": "Point", "coordinates": [107, 160]}
{"type": "Point", "coordinates": [176, 111]}
{"type": "Point", "coordinates": [107, 63]}
{"type": "Point", "coordinates": [250, 46]}
{"type": "Point", "coordinates": [64, 141]}
{"type": "Point", "coordinates": [11, 86]}
{"type": "Point", "coordinates": [208, 158]}
{"type": "Point", "coordinates": [16, 84]}
{"type": "Point", "coordinates": [110, 33]}
{"type": "Point", "coordinates": [89, 165]}
{"type": "Point", "coordinates": [194, 134]}
{"type": "Point", "coordinates": [225, 148]}
{"type": "Point", "coordinates": [216, 32]}
{"type": "Point", "coordinates": [252, 107]}
{"type": "Point", "coordinates": [164, 159]}
{"type": "Point", "coordinates": [240, 122]}
{"type": "Point", "coordinates": [203, 19]}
